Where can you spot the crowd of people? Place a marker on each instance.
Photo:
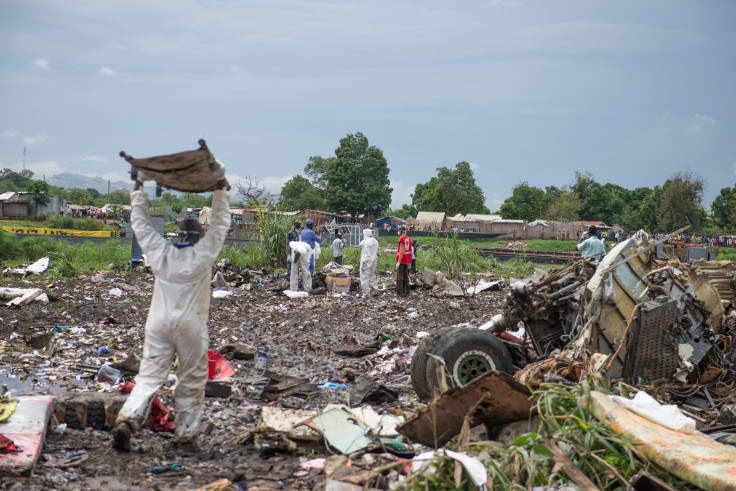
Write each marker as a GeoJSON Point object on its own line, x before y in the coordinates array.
{"type": "Point", "coordinates": [717, 241]}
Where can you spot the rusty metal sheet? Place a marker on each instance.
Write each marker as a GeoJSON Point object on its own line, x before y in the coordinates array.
{"type": "Point", "coordinates": [495, 397]}
{"type": "Point", "coordinates": [693, 457]}
{"type": "Point", "coordinates": [194, 171]}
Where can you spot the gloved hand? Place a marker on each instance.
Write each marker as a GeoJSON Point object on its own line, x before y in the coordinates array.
{"type": "Point", "coordinates": [397, 264]}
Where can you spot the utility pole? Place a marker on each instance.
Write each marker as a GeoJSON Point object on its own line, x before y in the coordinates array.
{"type": "Point", "coordinates": [24, 158]}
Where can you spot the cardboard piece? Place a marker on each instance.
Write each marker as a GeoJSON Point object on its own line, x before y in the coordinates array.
{"type": "Point", "coordinates": [27, 429]}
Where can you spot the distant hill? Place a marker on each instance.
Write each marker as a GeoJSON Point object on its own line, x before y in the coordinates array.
{"type": "Point", "coordinates": [68, 180]}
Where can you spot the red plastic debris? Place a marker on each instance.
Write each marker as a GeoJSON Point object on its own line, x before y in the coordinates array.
{"type": "Point", "coordinates": [219, 367]}
{"type": "Point", "coordinates": [7, 445]}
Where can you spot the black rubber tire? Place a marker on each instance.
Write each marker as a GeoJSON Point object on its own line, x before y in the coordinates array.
{"type": "Point", "coordinates": [96, 414]}
{"type": "Point", "coordinates": [418, 367]}
{"type": "Point", "coordinates": [468, 353]}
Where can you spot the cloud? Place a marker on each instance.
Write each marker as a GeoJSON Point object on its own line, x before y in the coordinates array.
{"type": "Point", "coordinates": [41, 63]}
{"type": "Point", "coordinates": [496, 202]}
{"type": "Point", "coordinates": [33, 140]}
{"type": "Point", "coordinates": [10, 134]}
{"type": "Point", "coordinates": [47, 168]}
{"type": "Point", "coordinates": [474, 166]}
{"type": "Point", "coordinates": [503, 3]}
{"type": "Point", "coordinates": [234, 69]}
{"type": "Point", "coordinates": [699, 121]}
{"type": "Point", "coordinates": [401, 194]}
{"type": "Point", "coordinates": [92, 158]}
{"type": "Point", "coordinates": [108, 71]}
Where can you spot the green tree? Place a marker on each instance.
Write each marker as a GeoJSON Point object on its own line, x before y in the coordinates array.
{"type": "Point", "coordinates": [563, 205]}
{"type": "Point", "coordinates": [300, 194]}
{"type": "Point", "coordinates": [452, 191]}
{"type": "Point", "coordinates": [525, 203]}
{"type": "Point", "coordinates": [38, 193]}
{"type": "Point", "coordinates": [118, 198]}
{"type": "Point", "coordinates": [193, 200]}
{"type": "Point", "coordinates": [406, 211]}
{"type": "Point", "coordinates": [682, 195]}
{"type": "Point", "coordinates": [357, 181]}
{"type": "Point", "coordinates": [177, 205]}
{"type": "Point", "coordinates": [94, 193]}
{"type": "Point", "coordinates": [80, 197]}
{"type": "Point", "coordinates": [603, 202]}
{"type": "Point", "coordinates": [723, 208]}
{"type": "Point", "coordinates": [316, 170]}
{"type": "Point", "coordinates": [14, 181]}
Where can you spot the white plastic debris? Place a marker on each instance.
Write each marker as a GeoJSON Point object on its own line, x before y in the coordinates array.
{"type": "Point", "coordinates": [667, 415]}
{"type": "Point", "coordinates": [295, 294]}
{"type": "Point", "coordinates": [116, 292]}
{"type": "Point", "coordinates": [221, 293]}
{"type": "Point", "coordinates": [474, 467]}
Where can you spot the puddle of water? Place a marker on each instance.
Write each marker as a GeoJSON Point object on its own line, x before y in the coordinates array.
{"type": "Point", "coordinates": [30, 385]}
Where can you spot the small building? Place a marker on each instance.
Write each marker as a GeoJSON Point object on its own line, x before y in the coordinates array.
{"type": "Point", "coordinates": [390, 222]}
{"type": "Point", "coordinates": [13, 204]}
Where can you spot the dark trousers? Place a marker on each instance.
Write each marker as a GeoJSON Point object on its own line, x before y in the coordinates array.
{"type": "Point", "coordinates": [402, 274]}
{"type": "Point", "coordinates": [413, 266]}
{"type": "Point", "coordinates": [338, 260]}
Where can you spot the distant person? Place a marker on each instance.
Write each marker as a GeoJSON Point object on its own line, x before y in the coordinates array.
{"type": "Point", "coordinates": [403, 260]}
{"type": "Point", "coordinates": [292, 236]}
{"type": "Point", "coordinates": [414, 246]}
{"type": "Point", "coordinates": [337, 247]}
{"type": "Point", "coordinates": [368, 264]}
{"type": "Point", "coordinates": [310, 238]}
{"type": "Point", "coordinates": [592, 248]}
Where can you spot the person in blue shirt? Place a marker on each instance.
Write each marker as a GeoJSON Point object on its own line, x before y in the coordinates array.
{"type": "Point", "coordinates": [310, 238]}
{"type": "Point", "coordinates": [593, 249]}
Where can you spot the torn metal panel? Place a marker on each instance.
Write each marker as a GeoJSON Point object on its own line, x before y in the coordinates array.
{"type": "Point", "coordinates": [693, 457]}
{"type": "Point", "coordinates": [494, 398]}
{"type": "Point", "coordinates": [653, 343]}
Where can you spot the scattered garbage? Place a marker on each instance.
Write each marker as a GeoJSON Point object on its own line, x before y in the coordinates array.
{"type": "Point", "coordinates": [219, 367]}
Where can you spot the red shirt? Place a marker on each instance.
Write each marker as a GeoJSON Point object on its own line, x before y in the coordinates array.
{"type": "Point", "coordinates": [404, 241]}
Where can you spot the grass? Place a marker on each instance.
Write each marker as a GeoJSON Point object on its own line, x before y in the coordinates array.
{"type": "Point", "coordinates": [727, 254]}
{"type": "Point", "coordinates": [62, 222]}
{"type": "Point", "coordinates": [66, 259]}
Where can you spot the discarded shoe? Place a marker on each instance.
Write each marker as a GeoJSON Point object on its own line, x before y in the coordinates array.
{"type": "Point", "coordinates": [121, 437]}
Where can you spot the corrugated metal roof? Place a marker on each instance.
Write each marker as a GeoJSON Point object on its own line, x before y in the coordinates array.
{"type": "Point", "coordinates": [430, 216]}
{"type": "Point", "coordinates": [7, 195]}
{"type": "Point", "coordinates": [485, 218]}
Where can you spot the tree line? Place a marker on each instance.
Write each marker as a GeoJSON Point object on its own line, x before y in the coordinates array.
{"type": "Point", "coordinates": [39, 191]}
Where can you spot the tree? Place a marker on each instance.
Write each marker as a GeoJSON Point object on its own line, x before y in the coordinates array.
{"type": "Point", "coordinates": [451, 191]}
{"type": "Point", "coordinates": [563, 205]}
{"type": "Point", "coordinates": [723, 208]}
{"type": "Point", "coordinates": [316, 170]}
{"type": "Point", "coordinates": [94, 193]}
{"type": "Point", "coordinates": [193, 200]}
{"type": "Point", "coordinates": [526, 203]}
{"type": "Point", "coordinates": [406, 211]}
{"type": "Point", "coordinates": [357, 181]}
{"type": "Point", "coordinates": [37, 191]}
{"type": "Point", "coordinates": [176, 205]}
{"type": "Point", "coordinates": [603, 202]}
{"type": "Point", "coordinates": [14, 181]}
{"type": "Point", "coordinates": [118, 198]}
{"type": "Point", "coordinates": [300, 194]}
{"type": "Point", "coordinates": [682, 195]}
{"type": "Point", "coordinates": [80, 196]}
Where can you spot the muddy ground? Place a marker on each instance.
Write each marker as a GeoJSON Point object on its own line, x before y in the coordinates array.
{"type": "Point", "coordinates": [302, 335]}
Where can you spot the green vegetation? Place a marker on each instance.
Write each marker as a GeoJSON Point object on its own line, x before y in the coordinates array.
{"type": "Point", "coordinates": [728, 254]}
{"type": "Point", "coordinates": [66, 259]}
{"type": "Point", "coordinates": [65, 222]}
{"type": "Point", "coordinates": [564, 422]}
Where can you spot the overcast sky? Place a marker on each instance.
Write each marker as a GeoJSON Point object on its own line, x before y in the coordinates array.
{"type": "Point", "coordinates": [631, 91]}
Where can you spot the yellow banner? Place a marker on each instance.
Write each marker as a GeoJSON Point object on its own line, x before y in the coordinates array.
{"type": "Point", "coordinates": [60, 231]}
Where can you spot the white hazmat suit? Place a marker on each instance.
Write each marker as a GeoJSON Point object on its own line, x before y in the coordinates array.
{"type": "Point", "coordinates": [301, 253]}
{"type": "Point", "coordinates": [177, 319]}
{"type": "Point", "coordinates": [368, 263]}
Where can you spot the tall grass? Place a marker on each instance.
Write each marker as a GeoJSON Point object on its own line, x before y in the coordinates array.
{"type": "Point", "coordinates": [65, 259]}
{"type": "Point", "coordinates": [66, 222]}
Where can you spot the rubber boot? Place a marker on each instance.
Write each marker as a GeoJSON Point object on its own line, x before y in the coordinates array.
{"type": "Point", "coordinates": [399, 288]}
{"type": "Point", "coordinates": [406, 288]}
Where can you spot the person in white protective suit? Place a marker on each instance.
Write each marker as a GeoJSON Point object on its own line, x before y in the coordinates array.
{"type": "Point", "coordinates": [368, 264]}
{"type": "Point", "coordinates": [177, 319]}
{"type": "Point", "coordinates": [301, 253]}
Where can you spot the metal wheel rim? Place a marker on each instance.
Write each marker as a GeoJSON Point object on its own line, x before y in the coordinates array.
{"type": "Point", "coordinates": [471, 365]}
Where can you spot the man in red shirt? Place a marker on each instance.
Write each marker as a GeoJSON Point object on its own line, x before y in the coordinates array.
{"type": "Point", "coordinates": [403, 261]}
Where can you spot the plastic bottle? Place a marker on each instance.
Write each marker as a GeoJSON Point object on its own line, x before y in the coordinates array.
{"type": "Point", "coordinates": [108, 374]}
{"type": "Point", "coordinates": [261, 359]}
